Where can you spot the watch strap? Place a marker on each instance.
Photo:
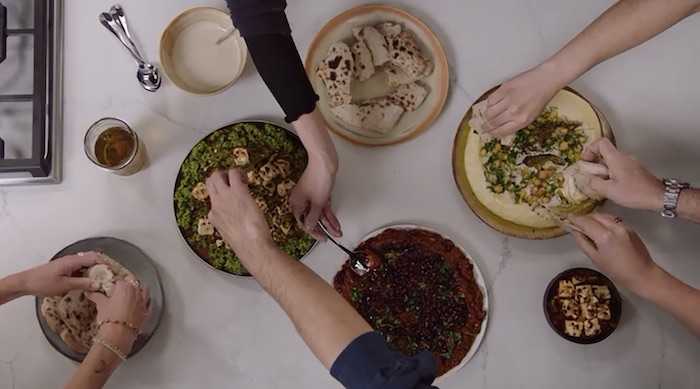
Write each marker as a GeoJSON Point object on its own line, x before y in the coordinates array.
{"type": "Point", "coordinates": [672, 193]}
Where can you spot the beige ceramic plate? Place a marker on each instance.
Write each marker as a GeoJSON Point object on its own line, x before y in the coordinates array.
{"type": "Point", "coordinates": [411, 123]}
{"type": "Point", "coordinates": [192, 59]}
{"type": "Point", "coordinates": [571, 104]}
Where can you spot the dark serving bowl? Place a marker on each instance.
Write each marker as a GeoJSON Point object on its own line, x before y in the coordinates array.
{"type": "Point", "coordinates": [615, 305]}
{"type": "Point", "coordinates": [132, 258]}
{"type": "Point", "coordinates": [182, 233]}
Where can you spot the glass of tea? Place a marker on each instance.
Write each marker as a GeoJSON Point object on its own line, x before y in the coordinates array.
{"type": "Point", "coordinates": [113, 146]}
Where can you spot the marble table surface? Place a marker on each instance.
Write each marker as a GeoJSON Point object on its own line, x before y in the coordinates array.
{"type": "Point", "coordinates": [223, 332]}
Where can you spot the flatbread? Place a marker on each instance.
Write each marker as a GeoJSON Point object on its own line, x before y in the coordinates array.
{"type": "Point", "coordinates": [409, 96]}
{"type": "Point", "coordinates": [478, 123]}
{"type": "Point", "coordinates": [389, 29]}
{"type": "Point", "coordinates": [406, 55]}
{"type": "Point", "coordinates": [379, 116]}
{"type": "Point", "coordinates": [376, 43]}
{"type": "Point", "coordinates": [364, 67]}
{"type": "Point", "coordinates": [73, 316]}
{"type": "Point", "coordinates": [336, 72]}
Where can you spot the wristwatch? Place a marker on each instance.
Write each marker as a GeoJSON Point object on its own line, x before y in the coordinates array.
{"type": "Point", "coordinates": [672, 193]}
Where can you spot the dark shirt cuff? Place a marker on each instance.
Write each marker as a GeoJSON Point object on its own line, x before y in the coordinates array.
{"type": "Point", "coordinates": [368, 363]}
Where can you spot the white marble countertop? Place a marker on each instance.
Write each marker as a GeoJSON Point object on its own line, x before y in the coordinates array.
{"type": "Point", "coordinates": [223, 332]}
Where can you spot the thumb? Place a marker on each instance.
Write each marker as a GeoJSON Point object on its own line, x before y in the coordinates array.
{"type": "Point", "coordinates": [81, 283]}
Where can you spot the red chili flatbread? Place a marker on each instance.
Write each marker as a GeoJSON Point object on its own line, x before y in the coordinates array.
{"type": "Point", "coordinates": [421, 294]}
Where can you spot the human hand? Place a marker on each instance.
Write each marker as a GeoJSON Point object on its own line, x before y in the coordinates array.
{"type": "Point", "coordinates": [310, 199]}
{"type": "Point", "coordinates": [234, 213]}
{"type": "Point", "coordinates": [630, 184]}
{"type": "Point", "coordinates": [128, 303]}
{"type": "Point", "coordinates": [615, 248]}
{"type": "Point", "coordinates": [518, 102]}
{"type": "Point", "coordinates": [56, 278]}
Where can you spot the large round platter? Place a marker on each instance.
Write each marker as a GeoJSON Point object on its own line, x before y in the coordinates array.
{"type": "Point", "coordinates": [136, 261]}
{"type": "Point", "coordinates": [569, 103]}
{"type": "Point", "coordinates": [183, 234]}
{"type": "Point", "coordinates": [411, 123]}
{"type": "Point", "coordinates": [478, 277]}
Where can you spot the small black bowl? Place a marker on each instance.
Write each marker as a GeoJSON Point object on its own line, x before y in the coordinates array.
{"type": "Point", "coordinates": [615, 304]}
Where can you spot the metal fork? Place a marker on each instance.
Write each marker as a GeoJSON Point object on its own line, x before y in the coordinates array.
{"type": "Point", "coordinates": [357, 260]}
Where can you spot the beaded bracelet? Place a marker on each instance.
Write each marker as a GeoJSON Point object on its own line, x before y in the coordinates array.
{"type": "Point", "coordinates": [111, 348]}
{"type": "Point", "coordinates": [119, 322]}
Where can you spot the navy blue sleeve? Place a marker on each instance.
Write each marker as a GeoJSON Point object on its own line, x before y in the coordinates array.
{"type": "Point", "coordinates": [264, 26]}
{"type": "Point", "coordinates": [368, 363]}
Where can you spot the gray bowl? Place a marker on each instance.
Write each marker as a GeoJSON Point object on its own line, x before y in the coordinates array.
{"type": "Point", "coordinates": [133, 259]}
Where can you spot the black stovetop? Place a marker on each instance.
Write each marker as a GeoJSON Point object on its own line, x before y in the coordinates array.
{"type": "Point", "coordinates": [28, 88]}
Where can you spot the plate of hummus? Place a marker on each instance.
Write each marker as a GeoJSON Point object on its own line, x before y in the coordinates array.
{"type": "Point", "coordinates": [525, 184]}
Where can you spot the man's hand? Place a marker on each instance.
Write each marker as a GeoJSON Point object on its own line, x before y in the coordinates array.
{"type": "Point", "coordinates": [234, 212]}
{"type": "Point", "coordinates": [310, 199]}
{"type": "Point", "coordinates": [519, 101]}
{"type": "Point", "coordinates": [616, 249]}
{"type": "Point", "coordinates": [630, 184]}
{"type": "Point", "coordinates": [56, 278]}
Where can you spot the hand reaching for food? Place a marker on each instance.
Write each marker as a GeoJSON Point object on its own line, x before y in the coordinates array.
{"type": "Point", "coordinates": [310, 199]}
{"type": "Point", "coordinates": [516, 103]}
{"type": "Point", "coordinates": [629, 184]}
{"type": "Point", "coordinates": [615, 248]}
{"type": "Point", "coordinates": [121, 316]}
{"type": "Point", "coordinates": [56, 278]}
{"type": "Point", "coordinates": [234, 213]}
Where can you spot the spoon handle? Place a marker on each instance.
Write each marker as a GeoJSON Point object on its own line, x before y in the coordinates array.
{"type": "Point", "coordinates": [328, 235]}
{"type": "Point", "coordinates": [114, 28]}
{"type": "Point", "coordinates": [119, 17]}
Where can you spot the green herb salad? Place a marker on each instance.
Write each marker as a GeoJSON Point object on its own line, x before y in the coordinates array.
{"type": "Point", "coordinates": [273, 160]}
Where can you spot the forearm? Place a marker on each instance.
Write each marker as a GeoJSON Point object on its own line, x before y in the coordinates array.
{"type": "Point", "coordinates": [623, 26]}
{"type": "Point", "coordinates": [100, 363]}
{"type": "Point", "coordinates": [679, 299]}
{"type": "Point", "coordinates": [689, 205]}
{"type": "Point", "coordinates": [93, 373]}
{"type": "Point", "coordinates": [325, 321]}
{"type": "Point", "coordinates": [12, 287]}
{"type": "Point", "coordinates": [264, 26]}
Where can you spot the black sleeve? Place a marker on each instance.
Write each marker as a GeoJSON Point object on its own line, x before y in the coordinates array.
{"type": "Point", "coordinates": [368, 363]}
{"type": "Point", "coordinates": [266, 30]}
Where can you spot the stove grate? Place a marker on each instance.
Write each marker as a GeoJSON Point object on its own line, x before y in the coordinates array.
{"type": "Point", "coordinates": [39, 163]}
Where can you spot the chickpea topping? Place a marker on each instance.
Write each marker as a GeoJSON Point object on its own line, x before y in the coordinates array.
{"type": "Point", "coordinates": [563, 146]}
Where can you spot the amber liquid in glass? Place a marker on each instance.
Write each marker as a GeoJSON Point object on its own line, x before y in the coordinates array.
{"type": "Point", "coordinates": [114, 146]}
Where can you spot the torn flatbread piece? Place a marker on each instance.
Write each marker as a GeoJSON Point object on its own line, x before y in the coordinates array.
{"type": "Point", "coordinates": [364, 67]}
{"type": "Point", "coordinates": [376, 43]}
{"type": "Point", "coordinates": [478, 123]}
{"type": "Point", "coordinates": [406, 55]}
{"type": "Point", "coordinates": [409, 96]}
{"type": "Point", "coordinates": [389, 29]}
{"type": "Point", "coordinates": [336, 72]}
{"type": "Point", "coordinates": [379, 116]}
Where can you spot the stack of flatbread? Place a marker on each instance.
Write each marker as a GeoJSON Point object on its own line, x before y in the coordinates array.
{"type": "Point", "coordinates": [386, 48]}
{"type": "Point", "coordinates": [73, 316]}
